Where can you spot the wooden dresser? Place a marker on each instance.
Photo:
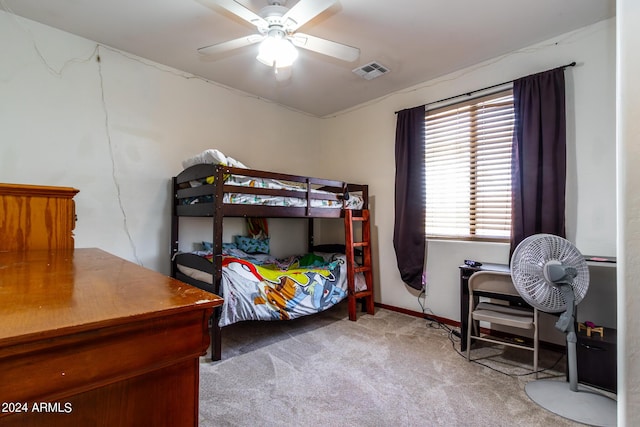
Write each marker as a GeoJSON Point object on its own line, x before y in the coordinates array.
{"type": "Point", "coordinates": [36, 217]}
{"type": "Point", "coordinates": [90, 339]}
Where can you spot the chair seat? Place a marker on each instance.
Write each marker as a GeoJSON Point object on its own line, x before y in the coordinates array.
{"type": "Point", "coordinates": [504, 315]}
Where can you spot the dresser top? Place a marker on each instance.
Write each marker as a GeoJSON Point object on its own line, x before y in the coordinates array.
{"type": "Point", "coordinates": [27, 190]}
{"type": "Point", "coordinates": [52, 293]}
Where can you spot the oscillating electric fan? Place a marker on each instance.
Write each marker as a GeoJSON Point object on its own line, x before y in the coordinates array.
{"type": "Point", "coordinates": [552, 275]}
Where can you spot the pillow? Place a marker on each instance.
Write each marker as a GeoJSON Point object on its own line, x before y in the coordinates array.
{"type": "Point", "coordinates": [207, 156]}
{"type": "Point", "coordinates": [252, 246]}
{"type": "Point", "coordinates": [208, 246]}
{"type": "Point", "coordinates": [235, 163]}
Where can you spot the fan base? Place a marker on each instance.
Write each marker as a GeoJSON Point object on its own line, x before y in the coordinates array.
{"type": "Point", "coordinates": [585, 405]}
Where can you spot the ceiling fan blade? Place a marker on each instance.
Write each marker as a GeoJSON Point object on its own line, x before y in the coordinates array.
{"type": "Point", "coordinates": [303, 11]}
{"type": "Point", "coordinates": [325, 47]}
{"type": "Point", "coordinates": [230, 45]}
{"type": "Point", "coordinates": [241, 11]}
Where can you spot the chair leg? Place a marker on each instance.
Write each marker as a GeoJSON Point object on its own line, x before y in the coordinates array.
{"type": "Point", "coordinates": [470, 326]}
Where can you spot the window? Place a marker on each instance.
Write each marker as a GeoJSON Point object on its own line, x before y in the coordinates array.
{"type": "Point", "coordinates": [468, 169]}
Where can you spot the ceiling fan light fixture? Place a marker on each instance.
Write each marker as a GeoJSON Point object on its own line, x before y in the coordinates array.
{"type": "Point", "coordinates": [276, 51]}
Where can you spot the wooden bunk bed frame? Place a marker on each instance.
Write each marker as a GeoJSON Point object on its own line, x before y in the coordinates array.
{"type": "Point", "coordinates": [217, 210]}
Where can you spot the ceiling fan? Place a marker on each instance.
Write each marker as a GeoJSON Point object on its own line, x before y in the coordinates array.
{"type": "Point", "coordinates": [277, 26]}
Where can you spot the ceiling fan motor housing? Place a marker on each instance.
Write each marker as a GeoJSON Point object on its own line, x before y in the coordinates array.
{"type": "Point", "coordinates": [273, 15]}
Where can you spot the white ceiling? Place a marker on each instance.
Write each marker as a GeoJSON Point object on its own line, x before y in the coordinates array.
{"type": "Point", "coordinates": [417, 40]}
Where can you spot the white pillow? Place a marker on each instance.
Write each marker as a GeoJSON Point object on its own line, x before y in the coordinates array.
{"type": "Point", "coordinates": [211, 155]}
{"type": "Point", "coordinates": [235, 163]}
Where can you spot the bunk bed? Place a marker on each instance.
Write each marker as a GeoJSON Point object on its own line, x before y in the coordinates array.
{"type": "Point", "coordinates": [218, 191]}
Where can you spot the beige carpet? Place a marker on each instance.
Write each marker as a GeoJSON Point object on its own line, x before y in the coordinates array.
{"type": "Point", "coordinates": [389, 369]}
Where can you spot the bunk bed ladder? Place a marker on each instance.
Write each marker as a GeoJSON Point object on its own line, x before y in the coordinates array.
{"type": "Point", "coordinates": [352, 267]}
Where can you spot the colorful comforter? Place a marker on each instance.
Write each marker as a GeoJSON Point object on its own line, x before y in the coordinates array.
{"type": "Point", "coordinates": [281, 289]}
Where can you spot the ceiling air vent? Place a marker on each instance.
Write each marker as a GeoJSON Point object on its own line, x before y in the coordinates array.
{"type": "Point", "coordinates": [371, 70]}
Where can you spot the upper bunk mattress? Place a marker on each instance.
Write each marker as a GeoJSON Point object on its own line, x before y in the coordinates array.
{"type": "Point", "coordinates": [199, 184]}
{"type": "Point", "coordinates": [355, 200]}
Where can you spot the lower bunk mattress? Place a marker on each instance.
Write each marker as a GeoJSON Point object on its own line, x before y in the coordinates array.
{"type": "Point", "coordinates": [261, 287]}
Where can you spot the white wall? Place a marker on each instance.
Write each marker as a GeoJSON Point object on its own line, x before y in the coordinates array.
{"type": "Point", "coordinates": [362, 142]}
{"type": "Point", "coordinates": [118, 130]}
{"type": "Point", "coordinates": [628, 127]}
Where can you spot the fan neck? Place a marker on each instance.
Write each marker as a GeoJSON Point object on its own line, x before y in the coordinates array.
{"type": "Point", "coordinates": [566, 320]}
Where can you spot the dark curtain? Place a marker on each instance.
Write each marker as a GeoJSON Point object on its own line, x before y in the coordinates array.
{"type": "Point", "coordinates": [408, 231]}
{"type": "Point", "coordinates": [539, 156]}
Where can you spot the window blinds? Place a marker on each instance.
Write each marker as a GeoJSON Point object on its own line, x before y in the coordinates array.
{"type": "Point", "coordinates": [468, 168]}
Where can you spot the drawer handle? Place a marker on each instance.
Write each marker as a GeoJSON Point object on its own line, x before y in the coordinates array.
{"type": "Point", "coordinates": [592, 347]}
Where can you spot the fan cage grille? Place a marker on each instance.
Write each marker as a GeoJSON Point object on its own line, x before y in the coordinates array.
{"type": "Point", "coordinates": [527, 270]}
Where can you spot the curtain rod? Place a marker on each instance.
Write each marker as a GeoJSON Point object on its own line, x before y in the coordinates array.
{"type": "Point", "coordinates": [572, 64]}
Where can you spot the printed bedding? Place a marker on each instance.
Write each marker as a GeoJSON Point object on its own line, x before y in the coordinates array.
{"type": "Point", "coordinates": [212, 156]}
{"type": "Point", "coordinates": [261, 287]}
{"type": "Point", "coordinates": [355, 200]}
